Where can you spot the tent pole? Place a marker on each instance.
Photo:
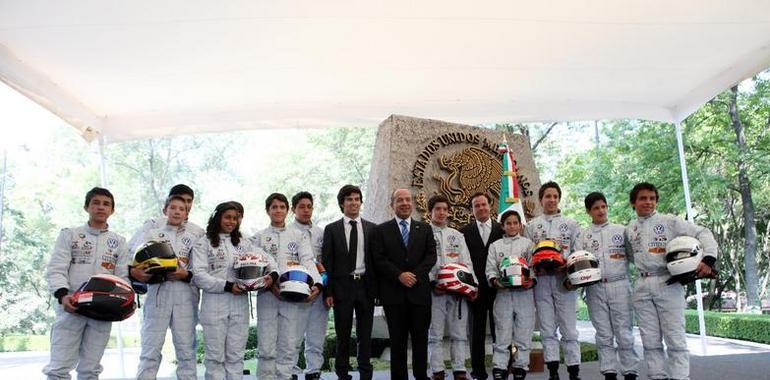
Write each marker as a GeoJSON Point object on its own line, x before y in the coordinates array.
{"type": "Point", "coordinates": [2, 195]}
{"type": "Point", "coordinates": [688, 204]}
{"type": "Point", "coordinates": [103, 172]}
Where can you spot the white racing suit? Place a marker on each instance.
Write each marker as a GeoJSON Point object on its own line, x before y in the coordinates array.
{"type": "Point", "coordinates": [315, 331]}
{"type": "Point", "coordinates": [609, 301]}
{"type": "Point", "coordinates": [556, 306]}
{"type": "Point", "coordinates": [170, 304]}
{"type": "Point", "coordinates": [224, 316]}
{"type": "Point", "coordinates": [448, 310]}
{"type": "Point", "coordinates": [660, 307]}
{"type": "Point", "coordinates": [514, 310]}
{"type": "Point", "coordinates": [277, 353]}
{"type": "Point", "coordinates": [80, 253]}
{"type": "Point", "coordinates": [155, 223]}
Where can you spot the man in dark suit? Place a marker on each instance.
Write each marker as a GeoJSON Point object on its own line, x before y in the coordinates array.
{"type": "Point", "coordinates": [479, 234]}
{"type": "Point", "coordinates": [404, 253]}
{"type": "Point", "coordinates": [347, 257]}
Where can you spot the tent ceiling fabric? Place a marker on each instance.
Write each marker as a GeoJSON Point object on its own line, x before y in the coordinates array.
{"type": "Point", "coordinates": [139, 69]}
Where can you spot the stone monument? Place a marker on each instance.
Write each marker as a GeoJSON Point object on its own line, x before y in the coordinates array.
{"type": "Point", "coordinates": [436, 157]}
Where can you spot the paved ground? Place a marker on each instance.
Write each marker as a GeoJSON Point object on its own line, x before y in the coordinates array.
{"type": "Point", "coordinates": [724, 359]}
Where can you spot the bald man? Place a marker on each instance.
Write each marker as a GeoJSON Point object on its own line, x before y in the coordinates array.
{"type": "Point", "coordinates": [404, 253]}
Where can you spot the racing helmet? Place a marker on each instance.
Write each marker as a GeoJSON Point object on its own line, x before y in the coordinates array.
{"type": "Point", "coordinates": [295, 284]}
{"type": "Point", "coordinates": [155, 258]}
{"type": "Point", "coordinates": [514, 273]}
{"type": "Point", "coordinates": [683, 254]}
{"type": "Point", "coordinates": [250, 270]}
{"type": "Point", "coordinates": [105, 297]}
{"type": "Point", "coordinates": [547, 255]}
{"type": "Point", "coordinates": [583, 269]}
{"type": "Point", "coordinates": [457, 278]}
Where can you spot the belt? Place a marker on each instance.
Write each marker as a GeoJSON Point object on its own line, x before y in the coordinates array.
{"type": "Point", "coordinates": [357, 277]}
{"type": "Point", "coordinates": [614, 278]}
{"type": "Point", "coordinates": [654, 274]}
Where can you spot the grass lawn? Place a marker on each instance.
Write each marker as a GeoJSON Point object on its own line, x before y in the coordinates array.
{"type": "Point", "coordinates": [16, 343]}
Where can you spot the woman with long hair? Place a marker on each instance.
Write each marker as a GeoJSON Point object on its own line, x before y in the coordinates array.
{"type": "Point", "coordinates": [224, 313]}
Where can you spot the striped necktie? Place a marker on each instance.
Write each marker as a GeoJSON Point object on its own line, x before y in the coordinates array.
{"type": "Point", "coordinates": [404, 233]}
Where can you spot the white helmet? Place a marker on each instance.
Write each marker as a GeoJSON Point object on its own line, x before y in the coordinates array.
{"type": "Point", "coordinates": [583, 269]}
{"type": "Point", "coordinates": [457, 278]}
{"type": "Point", "coordinates": [250, 270]}
{"type": "Point", "coordinates": [683, 254]}
{"type": "Point", "coordinates": [295, 284]}
{"type": "Point", "coordinates": [515, 273]}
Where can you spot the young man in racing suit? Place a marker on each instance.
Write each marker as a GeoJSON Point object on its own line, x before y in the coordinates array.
{"type": "Point", "coordinates": [278, 353]}
{"type": "Point", "coordinates": [172, 303]}
{"type": "Point", "coordinates": [79, 253]}
{"type": "Point", "coordinates": [660, 306]}
{"type": "Point", "coordinates": [447, 309]}
{"type": "Point", "coordinates": [315, 330]}
{"type": "Point", "coordinates": [556, 305]}
{"type": "Point", "coordinates": [609, 301]}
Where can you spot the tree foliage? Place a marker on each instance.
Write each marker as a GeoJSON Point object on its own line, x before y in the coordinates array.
{"type": "Point", "coordinates": [634, 151]}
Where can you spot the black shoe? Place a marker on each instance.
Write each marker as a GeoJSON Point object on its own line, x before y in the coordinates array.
{"type": "Point", "coordinates": [294, 377]}
{"type": "Point", "coordinates": [610, 376]}
{"type": "Point", "coordinates": [519, 374]}
{"type": "Point", "coordinates": [553, 370]}
{"type": "Point", "coordinates": [630, 376]}
{"type": "Point", "coordinates": [574, 371]}
{"type": "Point", "coordinates": [499, 374]}
{"type": "Point", "coordinates": [313, 376]}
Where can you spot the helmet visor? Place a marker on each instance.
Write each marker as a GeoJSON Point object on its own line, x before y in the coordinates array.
{"type": "Point", "coordinates": [679, 255]}
{"type": "Point", "coordinates": [251, 272]}
{"type": "Point", "coordinates": [581, 265]}
{"type": "Point", "coordinates": [295, 276]}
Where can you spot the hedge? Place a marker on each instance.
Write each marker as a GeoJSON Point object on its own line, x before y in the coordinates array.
{"type": "Point", "coordinates": [587, 350]}
{"type": "Point", "coordinates": [748, 327]}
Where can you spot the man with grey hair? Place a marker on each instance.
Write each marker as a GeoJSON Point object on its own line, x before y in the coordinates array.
{"type": "Point", "coordinates": [404, 253]}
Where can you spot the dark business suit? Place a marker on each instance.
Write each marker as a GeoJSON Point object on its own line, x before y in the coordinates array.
{"type": "Point", "coordinates": [350, 293]}
{"type": "Point", "coordinates": [407, 310]}
{"type": "Point", "coordinates": [481, 309]}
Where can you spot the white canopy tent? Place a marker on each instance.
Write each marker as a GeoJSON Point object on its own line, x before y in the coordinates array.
{"type": "Point", "coordinates": [130, 70]}
{"type": "Point", "coordinates": [118, 70]}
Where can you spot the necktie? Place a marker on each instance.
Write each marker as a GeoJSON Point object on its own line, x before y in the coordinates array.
{"type": "Point", "coordinates": [353, 244]}
{"type": "Point", "coordinates": [484, 233]}
{"type": "Point", "coordinates": [404, 233]}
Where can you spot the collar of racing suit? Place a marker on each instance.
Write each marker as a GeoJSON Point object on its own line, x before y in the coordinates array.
{"type": "Point", "coordinates": [551, 217]}
{"type": "Point", "coordinates": [96, 231]}
{"type": "Point", "coordinates": [302, 226]}
{"type": "Point", "coordinates": [277, 229]}
{"type": "Point", "coordinates": [509, 239]}
{"type": "Point", "coordinates": [437, 227]}
{"type": "Point", "coordinates": [599, 227]}
{"type": "Point", "coordinates": [642, 219]}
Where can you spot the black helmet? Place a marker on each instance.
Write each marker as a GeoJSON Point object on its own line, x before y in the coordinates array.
{"type": "Point", "coordinates": [155, 258]}
{"type": "Point", "coordinates": [106, 298]}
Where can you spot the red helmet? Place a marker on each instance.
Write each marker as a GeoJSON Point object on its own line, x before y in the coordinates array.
{"type": "Point", "coordinates": [457, 278]}
{"type": "Point", "coordinates": [105, 297]}
{"type": "Point", "coordinates": [547, 255]}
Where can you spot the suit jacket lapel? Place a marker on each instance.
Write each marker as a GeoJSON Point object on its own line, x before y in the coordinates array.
{"type": "Point", "coordinates": [477, 233]}
{"type": "Point", "coordinates": [341, 231]}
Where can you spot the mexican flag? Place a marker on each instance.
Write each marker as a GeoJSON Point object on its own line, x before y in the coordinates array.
{"type": "Point", "coordinates": [509, 185]}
